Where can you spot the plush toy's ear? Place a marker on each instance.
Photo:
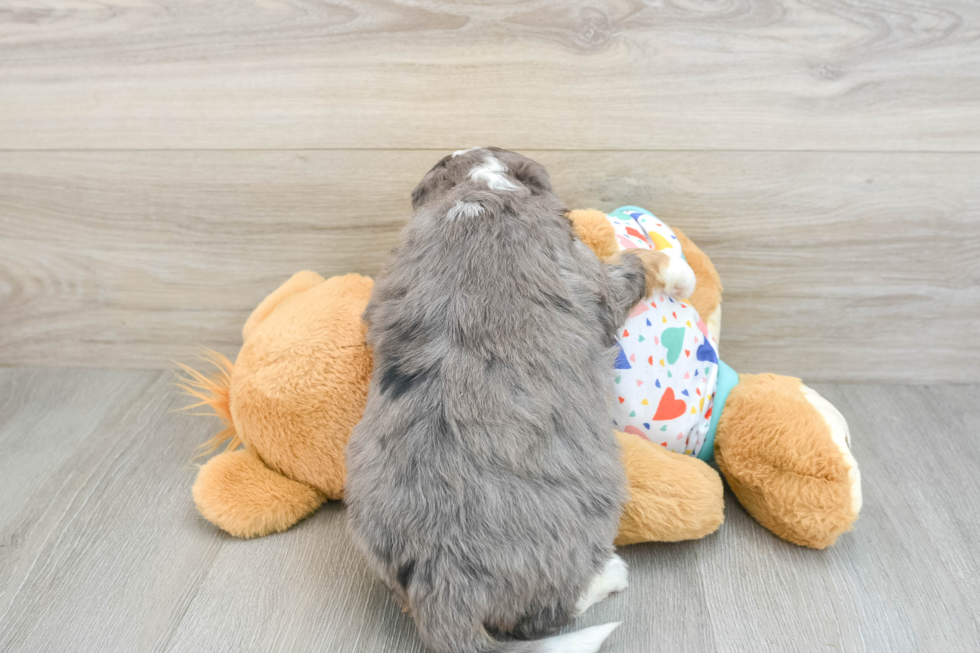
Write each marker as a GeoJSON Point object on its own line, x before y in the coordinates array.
{"type": "Point", "coordinates": [236, 492]}
{"type": "Point", "coordinates": [296, 284]}
{"type": "Point", "coordinates": [593, 228]}
{"type": "Point", "coordinates": [785, 452]}
{"type": "Point", "coordinates": [672, 497]}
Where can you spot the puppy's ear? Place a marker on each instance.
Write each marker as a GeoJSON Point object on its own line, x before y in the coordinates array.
{"type": "Point", "coordinates": [418, 195]}
{"type": "Point", "coordinates": [533, 176]}
{"type": "Point", "coordinates": [434, 180]}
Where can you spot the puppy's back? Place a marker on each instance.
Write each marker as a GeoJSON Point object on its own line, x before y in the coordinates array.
{"type": "Point", "coordinates": [484, 469]}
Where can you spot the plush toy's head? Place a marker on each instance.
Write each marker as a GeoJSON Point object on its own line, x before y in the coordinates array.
{"type": "Point", "coordinates": [304, 371]}
{"type": "Point", "coordinates": [292, 397]}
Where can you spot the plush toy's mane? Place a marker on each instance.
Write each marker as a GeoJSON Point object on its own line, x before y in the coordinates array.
{"type": "Point", "coordinates": [213, 391]}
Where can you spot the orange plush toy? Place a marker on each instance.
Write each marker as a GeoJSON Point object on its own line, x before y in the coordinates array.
{"type": "Point", "coordinates": [299, 385]}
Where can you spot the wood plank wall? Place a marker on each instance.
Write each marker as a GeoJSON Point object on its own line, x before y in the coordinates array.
{"type": "Point", "coordinates": [164, 165]}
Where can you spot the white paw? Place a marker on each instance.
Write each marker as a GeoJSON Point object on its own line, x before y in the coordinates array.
{"type": "Point", "coordinates": [614, 577]}
{"type": "Point", "coordinates": [616, 574]}
{"type": "Point", "coordinates": [679, 280]}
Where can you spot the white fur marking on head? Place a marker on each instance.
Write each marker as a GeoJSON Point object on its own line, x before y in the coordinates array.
{"type": "Point", "coordinates": [841, 436]}
{"type": "Point", "coordinates": [587, 640]}
{"type": "Point", "coordinates": [463, 209]}
{"type": "Point", "coordinates": [469, 149]}
{"type": "Point", "coordinates": [492, 173]}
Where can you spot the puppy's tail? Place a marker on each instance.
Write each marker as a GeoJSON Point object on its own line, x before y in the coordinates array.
{"type": "Point", "coordinates": [587, 640]}
{"type": "Point", "coordinates": [455, 631]}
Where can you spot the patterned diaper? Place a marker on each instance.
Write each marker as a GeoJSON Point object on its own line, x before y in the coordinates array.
{"type": "Point", "coordinates": [667, 368]}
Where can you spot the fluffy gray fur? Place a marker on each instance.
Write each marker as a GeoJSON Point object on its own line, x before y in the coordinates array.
{"type": "Point", "coordinates": [484, 482]}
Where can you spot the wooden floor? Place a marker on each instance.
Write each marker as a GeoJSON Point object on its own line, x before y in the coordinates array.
{"type": "Point", "coordinates": [101, 548]}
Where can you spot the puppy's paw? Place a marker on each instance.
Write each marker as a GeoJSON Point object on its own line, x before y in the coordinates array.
{"type": "Point", "coordinates": [654, 264]}
{"type": "Point", "coordinates": [664, 273]}
{"type": "Point", "coordinates": [679, 279]}
{"type": "Point", "coordinates": [614, 577]}
{"type": "Point", "coordinates": [616, 574]}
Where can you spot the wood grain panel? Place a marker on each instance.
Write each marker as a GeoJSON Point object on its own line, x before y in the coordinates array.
{"type": "Point", "coordinates": [548, 74]}
{"type": "Point", "coordinates": [836, 266]}
{"type": "Point", "coordinates": [102, 549]}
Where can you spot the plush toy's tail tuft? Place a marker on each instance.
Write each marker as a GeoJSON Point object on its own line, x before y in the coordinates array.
{"type": "Point", "coordinates": [213, 391]}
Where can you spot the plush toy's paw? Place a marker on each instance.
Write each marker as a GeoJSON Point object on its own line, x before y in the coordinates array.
{"type": "Point", "coordinates": [238, 493]}
{"type": "Point", "coordinates": [679, 279]}
{"type": "Point", "coordinates": [785, 452]}
{"type": "Point", "coordinates": [673, 497]}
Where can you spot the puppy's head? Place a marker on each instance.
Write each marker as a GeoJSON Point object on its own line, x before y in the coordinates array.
{"type": "Point", "coordinates": [486, 168]}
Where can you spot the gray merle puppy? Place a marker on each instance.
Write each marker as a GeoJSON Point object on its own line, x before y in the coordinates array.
{"type": "Point", "coordinates": [484, 483]}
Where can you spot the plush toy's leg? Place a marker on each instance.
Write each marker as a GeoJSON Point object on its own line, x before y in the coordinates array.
{"type": "Point", "coordinates": [672, 497]}
{"type": "Point", "coordinates": [299, 282]}
{"type": "Point", "coordinates": [239, 494]}
{"type": "Point", "coordinates": [784, 451]}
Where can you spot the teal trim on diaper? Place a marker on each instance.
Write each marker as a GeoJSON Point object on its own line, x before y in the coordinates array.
{"type": "Point", "coordinates": [727, 379]}
{"type": "Point", "coordinates": [620, 214]}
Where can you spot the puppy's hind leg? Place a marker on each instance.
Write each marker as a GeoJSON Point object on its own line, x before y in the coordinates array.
{"type": "Point", "coordinates": [447, 623]}
{"type": "Point", "coordinates": [612, 578]}
{"type": "Point", "coordinates": [544, 622]}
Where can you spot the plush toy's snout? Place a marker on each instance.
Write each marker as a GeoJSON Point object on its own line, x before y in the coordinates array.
{"type": "Point", "coordinates": [784, 451]}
